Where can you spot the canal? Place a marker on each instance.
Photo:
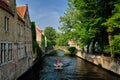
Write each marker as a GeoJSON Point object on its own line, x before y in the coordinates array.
{"type": "Point", "coordinates": [74, 68]}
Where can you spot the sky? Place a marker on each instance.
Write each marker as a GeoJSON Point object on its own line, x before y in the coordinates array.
{"type": "Point", "coordinates": [45, 12]}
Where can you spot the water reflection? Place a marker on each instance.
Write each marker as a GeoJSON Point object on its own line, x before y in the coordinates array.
{"type": "Point", "coordinates": [74, 68]}
{"type": "Point", "coordinates": [60, 53]}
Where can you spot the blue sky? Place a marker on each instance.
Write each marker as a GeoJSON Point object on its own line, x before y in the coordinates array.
{"type": "Point", "coordinates": [45, 12]}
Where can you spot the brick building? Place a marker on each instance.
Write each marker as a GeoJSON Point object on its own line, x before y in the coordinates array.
{"type": "Point", "coordinates": [15, 40]}
{"type": "Point", "coordinates": [39, 34]}
{"type": "Point", "coordinates": [41, 38]}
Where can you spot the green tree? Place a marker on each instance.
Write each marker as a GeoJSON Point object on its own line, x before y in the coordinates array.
{"type": "Point", "coordinates": [50, 33]}
{"type": "Point", "coordinates": [84, 18]}
{"type": "Point", "coordinates": [115, 45]}
{"type": "Point", "coordinates": [43, 42]}
{"type": "Point", "coordinates": [72, 50]}
{"type": "Point", "coordinates": [93, 14]}
{"type": "Point", "coordinates": [33, 35]}
{"type": "Point", "coordinates": [62, 39]}
{"type": "Point", "coordinates": [113, 27]}
{"type": "Point", "coordinates": [33, 30]}
{"type": "Point", "coordinates": [77, 23]}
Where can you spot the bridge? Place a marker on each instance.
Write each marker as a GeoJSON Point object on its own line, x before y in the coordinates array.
{"type": "Point", "coordinates": [64, 48]}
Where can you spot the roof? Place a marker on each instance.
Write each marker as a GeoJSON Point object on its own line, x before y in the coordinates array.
{"type": "Point", "coordinates": [21, 10]}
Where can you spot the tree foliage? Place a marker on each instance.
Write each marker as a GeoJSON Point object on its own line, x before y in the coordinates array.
{"type": "Point", "coordinates": [62, 39]}
{"type": "Point", "coordinates": [33, 30]}
{"type": "Point", "coordinates": [116, 44]}
{"type": "Point", "coordinates": [72, 50]}
{"type": "Point", "coordinates": [43, 42]}
{"type": "Point", "coordinates": [92, 22]}
{"type": "Point", "coordinates": [50, 33]}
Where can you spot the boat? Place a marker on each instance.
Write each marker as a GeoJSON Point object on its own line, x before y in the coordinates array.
{"type": "Point", "coordinates": [58, 64]}
{"type": "Point", "coordinates": [58, 68]}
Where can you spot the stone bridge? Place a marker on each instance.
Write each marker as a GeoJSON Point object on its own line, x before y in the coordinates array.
{"type": "Point", "coordinates": [64, 48]}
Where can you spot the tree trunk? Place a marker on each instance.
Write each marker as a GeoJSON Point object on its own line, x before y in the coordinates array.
{"type": "Point", "coordinates": [110, 38]}
{"type": "Point", "coordinates": [93, 46]}
{"type": "Point", "coordinates": [88, 48]}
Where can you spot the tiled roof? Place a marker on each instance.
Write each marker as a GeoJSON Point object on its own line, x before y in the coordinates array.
{"type": "Point", "coordinates": [21, 10]}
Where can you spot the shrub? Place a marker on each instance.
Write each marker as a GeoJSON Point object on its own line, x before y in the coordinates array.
{"type": "Point", "coordinates": [72, 50]}
{"type": "Point", "coordinates": [99, 65]}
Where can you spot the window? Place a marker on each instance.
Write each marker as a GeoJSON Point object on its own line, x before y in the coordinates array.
{"type": "Point", "coordinates": [5, 52]}
{"type": "Point", "coordinates": [2, 54]}
{"type": "Point", "coordinates": [18, 51]}
{"type": "Point", "coordinates": [6, 23]}
{"type": "Point", "coordinates": [9, 51]}
{"type": "Point", "coordinates": [20, 48]}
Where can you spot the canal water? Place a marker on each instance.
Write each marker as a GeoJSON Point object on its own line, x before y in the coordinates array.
{"type": "Point", "coordinates": [74, 68]}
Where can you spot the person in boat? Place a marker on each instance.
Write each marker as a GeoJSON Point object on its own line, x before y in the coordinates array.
{"type": "Point", "coordinates": [58, 63]}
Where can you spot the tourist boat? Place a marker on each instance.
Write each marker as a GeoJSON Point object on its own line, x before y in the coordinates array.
{"type": "Point", "coordinates": [58, 64]}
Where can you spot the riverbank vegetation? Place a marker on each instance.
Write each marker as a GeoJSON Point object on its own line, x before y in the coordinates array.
{"type": "Point", "coordinates": [72, 50]}
{"type": "Point", "coordinates": [94, 24]}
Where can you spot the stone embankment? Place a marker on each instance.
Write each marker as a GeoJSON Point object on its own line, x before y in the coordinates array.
{"type": "Point", "coordinates": [102, 61]}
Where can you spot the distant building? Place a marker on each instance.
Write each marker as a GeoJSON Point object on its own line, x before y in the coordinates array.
{"type": "Point", "coordinates": [73, 43]}
{"type": "Point", "coordinates": [40, 37]}
{"type": "Point", "coordinates": [15, 40]}
{"type": "Point", "coordinates": [39, 34]}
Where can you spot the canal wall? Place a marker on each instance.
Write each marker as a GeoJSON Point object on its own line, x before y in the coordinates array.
{"type": "Point", "coordinates": [102, 61]}
{"type": "Point", "coordinates": [32, 73]}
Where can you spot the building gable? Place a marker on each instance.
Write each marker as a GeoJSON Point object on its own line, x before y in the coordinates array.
{"type": "Point", "coordinates": [21, 10]}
